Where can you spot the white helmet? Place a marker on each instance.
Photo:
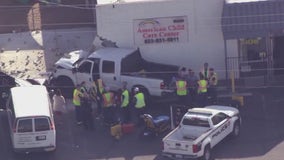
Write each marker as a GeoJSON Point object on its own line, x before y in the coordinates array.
{"type": "Point", "coordinates": [136, 89]}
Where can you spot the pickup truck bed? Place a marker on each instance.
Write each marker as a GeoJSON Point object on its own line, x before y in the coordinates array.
{"type": "Point", "coordinates": [200, 130]}
{"type": "Point", "coordinates": [135, 65]}
{"type": "Point", "coordinates": [186, 135]}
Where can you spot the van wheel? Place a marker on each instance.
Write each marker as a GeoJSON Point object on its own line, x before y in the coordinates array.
{"type": "Point", "coordinates": [51, 154]}
{"type": "Point", "coordinates": [207, 153]}
{"type": "Point", "coordinates": [19, 155]}
{"type": "Point", "coordinates": [236, 130]}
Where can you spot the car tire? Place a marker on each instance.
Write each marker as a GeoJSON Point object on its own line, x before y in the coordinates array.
{"type": "Point", "coordinates": [147, 96]}
{"type": "Point", "coordinates": [207, 153]}
{"type": "Point", "coordinates": [236, 130]}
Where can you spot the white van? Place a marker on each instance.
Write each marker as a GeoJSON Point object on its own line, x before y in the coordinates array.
{"type": "Point", "coordinates": [31, 119]}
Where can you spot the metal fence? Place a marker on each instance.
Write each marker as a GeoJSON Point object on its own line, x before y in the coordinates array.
{"type": "Point", "coordinates": [253, 73]}
{"type": "Point", "coordinates": [250, 68]}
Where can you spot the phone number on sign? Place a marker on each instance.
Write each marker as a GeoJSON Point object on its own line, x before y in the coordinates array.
{"type": "Point", "coordinates": [161, 40]}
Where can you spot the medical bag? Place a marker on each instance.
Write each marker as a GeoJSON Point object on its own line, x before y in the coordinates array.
{"type": "Point", "coordinates": [127, 128]}
{"type": "Point", "coordinates": [116, 131]}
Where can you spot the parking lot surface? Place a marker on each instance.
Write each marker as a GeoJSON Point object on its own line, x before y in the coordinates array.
{"type": "Point", "coordinates": [262, 135]}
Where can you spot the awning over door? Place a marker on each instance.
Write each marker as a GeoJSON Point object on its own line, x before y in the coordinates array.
{"type": "Point", "coordinates": [252, 18]}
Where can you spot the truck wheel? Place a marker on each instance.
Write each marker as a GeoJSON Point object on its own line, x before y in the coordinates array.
{"type": "Point", "coordinates": [236, 130]}
{"type": "Point", "coordinates": [207, 153]}
{"type": "Point", "coordinates": [147, 97]}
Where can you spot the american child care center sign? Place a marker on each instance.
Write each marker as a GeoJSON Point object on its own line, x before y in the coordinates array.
{"type": "Point", "coordinates": [160, 30]}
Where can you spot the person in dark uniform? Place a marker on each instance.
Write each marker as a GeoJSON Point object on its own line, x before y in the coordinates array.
{"type": "Point", "coordinates": [125, 109]}
{"type": "Point", "coordinates": [140, 106]}
{"type": "Point", "coordinates": [88, 121]}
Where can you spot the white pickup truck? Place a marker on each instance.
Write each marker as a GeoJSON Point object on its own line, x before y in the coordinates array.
{"type": "Point", "coordinates": [113, 66]}
{"type": "Point", "coordinates": [200, 130]}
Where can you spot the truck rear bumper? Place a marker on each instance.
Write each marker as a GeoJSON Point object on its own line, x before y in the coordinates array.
{"type": "Point", "coordinates": [169, 96]}
{"type": "Point", "coordinates": [169, 100]}
{"type": "Point", "coordinates": [178, 156]}
{"type": "Point", "coordinates": [37, 149]}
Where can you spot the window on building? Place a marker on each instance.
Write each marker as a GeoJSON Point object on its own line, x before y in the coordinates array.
{"type": "Point", "coordinates": [252, 49]}
{"type": "Point", "coordinates": [252, 59]}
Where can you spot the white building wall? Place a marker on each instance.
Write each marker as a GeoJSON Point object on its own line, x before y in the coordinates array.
{"type": "Point", "coordinates": [205, 38]}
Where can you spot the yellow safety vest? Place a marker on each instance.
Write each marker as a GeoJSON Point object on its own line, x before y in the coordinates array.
{"type": "Point", "coordinates": [125, 100]}
{"type": "Point", "coordinates": [140, 101]}
{"type": "Point", "coordinates": [108, 99]}
{"type": "Point", "coordinates": [100, 85]}
{"type": "Point", "coordinates": [202, 86]}
{"type": "Point", "coordinates": [212, 82]}
{"type": "Point", "coordinates": [181, 88]}
{"type": "Point", "coordinates": [76, 97]}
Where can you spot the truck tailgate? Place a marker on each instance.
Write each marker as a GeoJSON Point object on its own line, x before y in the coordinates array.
{"type": "Point", "coordinates": [175, 143]}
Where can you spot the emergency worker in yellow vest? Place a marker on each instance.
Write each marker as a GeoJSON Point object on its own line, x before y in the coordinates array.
{"type": "Point", "coordinates": [84, 90]}
{"type": "Point", "coordinates": [93, 92]}
{"type": "Point", "coordinates": [77, 95]}
{"type": "Point", "coordinates": [125, 110]}
{"type": "Point", "coordinates": [205, 71]}
{"type": "Point", "coordinates": [108, 104]}
{"type": "Point", "coordinates": [181, 90]}
{"type": "Point", "coordinates": [139, 105]}
{"type": "Point", "coordinates": [86, 107]}
{"type": "Point", "coordinates": [212, 81]}
{"type": "Point", "coordinates": [192, 85]}
{"type": "Point", "coordinates": [202, 90]}
{"type": "Point", "coordinates": [101, 85]}
{"type": "Point", "coordinates": [100, 89]}
{"type": "Point", "coordinates": [94, 95]}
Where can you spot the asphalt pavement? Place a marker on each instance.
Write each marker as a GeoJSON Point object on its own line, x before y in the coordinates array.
{"type": "Point", "coordinates": [262, 135]}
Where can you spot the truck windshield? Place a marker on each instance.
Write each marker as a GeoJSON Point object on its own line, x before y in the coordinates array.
{"type": "Point", "coordinates": [195, 121]}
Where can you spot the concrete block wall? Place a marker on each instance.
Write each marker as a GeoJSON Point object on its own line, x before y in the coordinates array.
{"type": "Point", "coordinates": [27, 54]}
